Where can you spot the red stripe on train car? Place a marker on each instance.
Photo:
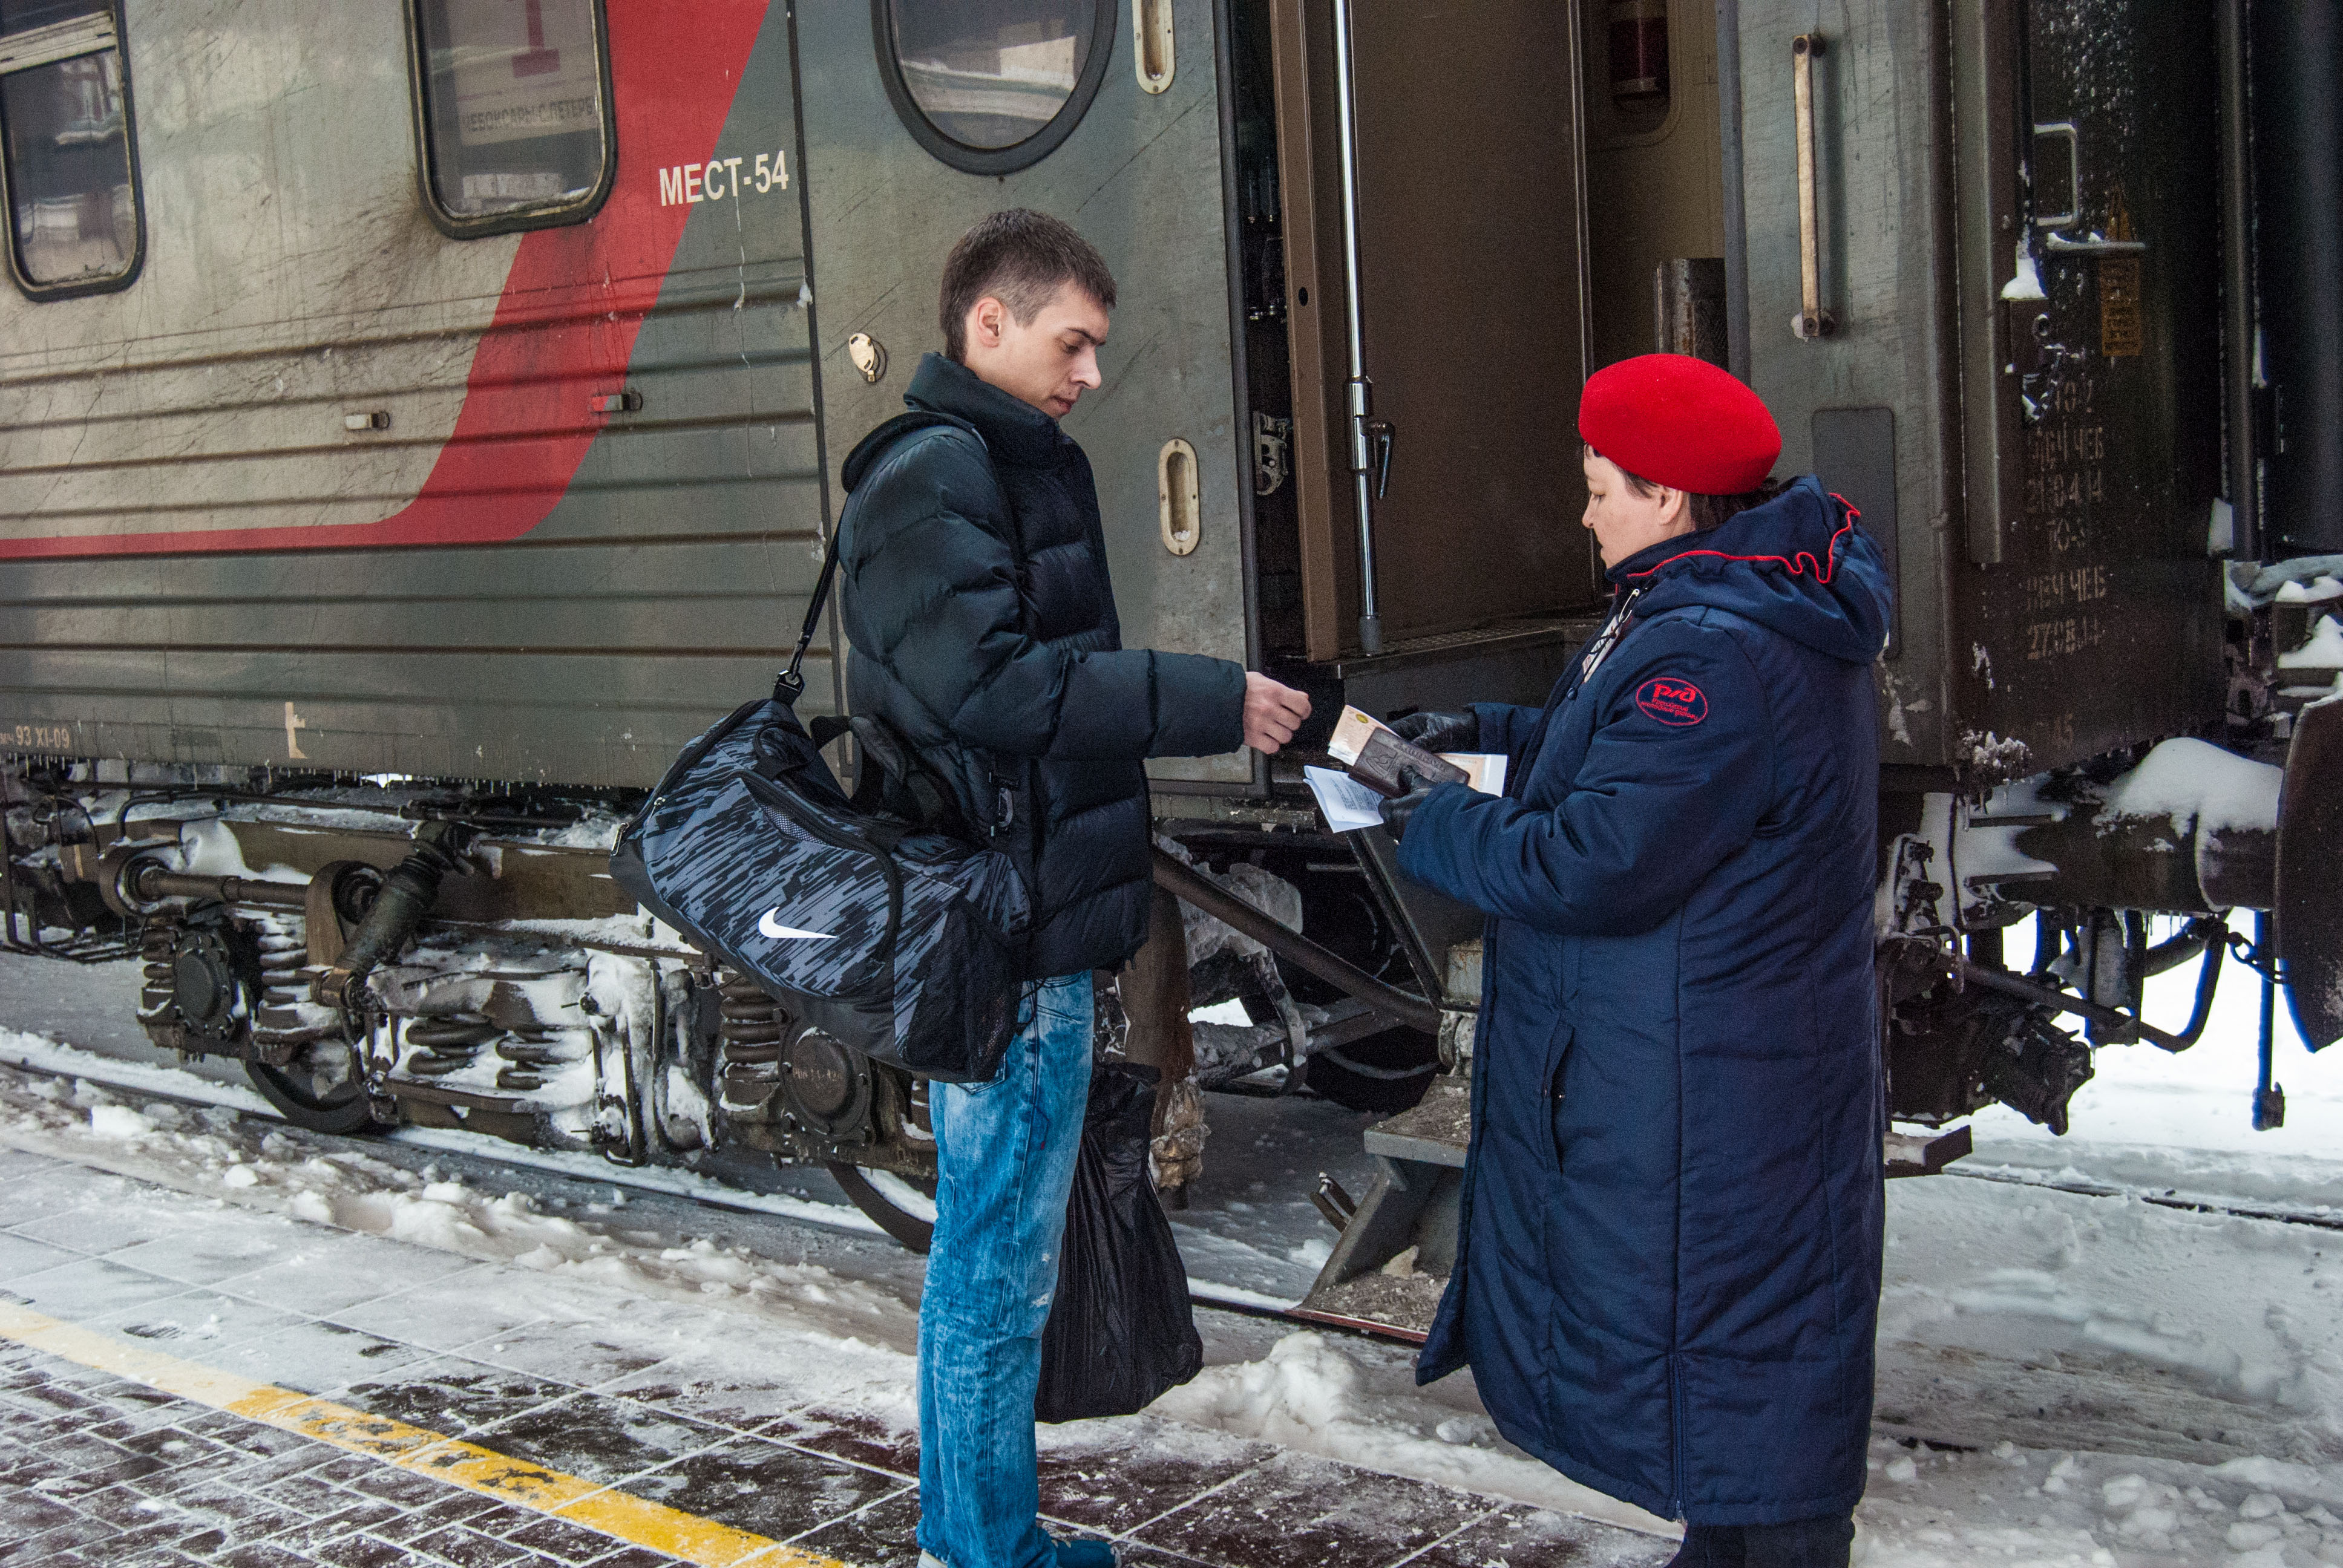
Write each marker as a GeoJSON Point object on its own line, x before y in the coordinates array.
{"type": "Point", "coordinates": [518, 441]}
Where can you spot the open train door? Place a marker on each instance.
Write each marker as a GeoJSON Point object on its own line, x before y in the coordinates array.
{"type": "Point", "coordinates": [1432, 219]}
{"type": "Point", "coordinates": [1431, 154]}
{"type": "Point", "coordinates": [922, 116]}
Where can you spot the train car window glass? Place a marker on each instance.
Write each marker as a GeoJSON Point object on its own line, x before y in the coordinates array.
{"type": "Point", "coordinates": [513, 112]}
{"type": "Point", "coordinates": [991, 87]}
{"type": "Point", "coordinates": [69, 174]}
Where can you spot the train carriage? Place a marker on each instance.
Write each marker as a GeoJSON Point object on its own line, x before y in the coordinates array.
{"type": "Point", "coordinates": [417, 422]}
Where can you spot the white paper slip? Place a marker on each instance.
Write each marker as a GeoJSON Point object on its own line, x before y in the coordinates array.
{"type": "Point", "coordinates": [1347, 804]}
{"type": "Point", "coordinates": [1484, 770]}
{"type": "Point", "coordinates": [1350, 805]}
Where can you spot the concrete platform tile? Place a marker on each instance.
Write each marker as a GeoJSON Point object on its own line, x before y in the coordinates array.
{"type": "Point", "coordinates": [180, 1453]}
{"type": "Point", "coordinates": [598, 1438]}
{"type": "Point", "coordinates": [29, 1515]}
{"type": "Point", "coordinates": [91, 1288]}
{"type": "Point", "coordinates": [358, 1512]}
{"type": "Point", "coordinates": [263, 1556]}
{"type": "Point", "coordinates": [635, 1557]}
{"type": "Point", "coordinates": [237, 1516]}
{"type": "Point", "coordinates": [883, 1535]}
{"type": "Point", "coordinates": [1113, 1476]}
{"type": "Point", "coordinates": [118, 1503]}
{"type": "Point", "coordinates": [1522, 1537]}
{"type": "Point", "coordinates": [362, 1551]}
{"type": "Point", "coordinates": [451, 1395]}
{"type": "Point", "coordinates": [765, 1487]}
{"type": "Point", "coordinates": [323, 1271]}
{"type": "Point", "coordinates": [222, 1244]}
{"type": "Point", "coordinates": [583, 1355]}
{"type": "Point", "coordinates": [726, 1390]}
{"type": "Point", "coordinates": [86, 1465]}
{"type": "Point", "coordinates": [84, 1530]}
{"type": "Point", "coordinates": [196, 1323]}
{"type": "Point", "coordinates": [468, 1548]}
{"type": "Point", "coordinates": [563, 1542]}
{"type": "Point", "coordinates": [113, 1214]}
{"type": "Point", "coordinates": [1129, 1555]}
{"type": "Point", "coordinates": [60, 1187]}
{"type": "Point", "coordinates": [1299, 1511]}
{"type": "Point", "coordinates": [317, 1357]}
{"type": "Point", "coordinates": [22, 1256]}
{"type": "Point", "coordinates": [453, 1507]}
{"type": "Point", "coordinates": [859, 1437]}
{"type": "Point", "coordinates": [445, 1314]}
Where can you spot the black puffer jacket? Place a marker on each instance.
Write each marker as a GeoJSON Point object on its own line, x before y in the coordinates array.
{"type": "Point", "coordinates": [975, 593]}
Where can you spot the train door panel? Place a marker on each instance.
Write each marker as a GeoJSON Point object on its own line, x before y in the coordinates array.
{"type": "Point", "coordinates": [1866, 403]}
{"type": "Point", "coordinates": [2093, 407]}
{"type": "Point", "coordinates": [1473, 312]}
{"type": "Point", "coordinates": [1110, 117]}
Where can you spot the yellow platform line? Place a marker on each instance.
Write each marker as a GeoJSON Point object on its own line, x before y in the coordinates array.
{"type": "Point", "coordinates": [459, 1463]}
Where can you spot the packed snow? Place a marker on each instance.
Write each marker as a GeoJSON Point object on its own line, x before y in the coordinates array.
{"type": "Point", "coordinates": [2195, 780]}
{"type": "Point", "coordinates": [2069, 1372]}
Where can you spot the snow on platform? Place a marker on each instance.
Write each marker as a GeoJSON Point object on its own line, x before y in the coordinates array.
{"type": "Point", "coordinates": [2064, 1378]}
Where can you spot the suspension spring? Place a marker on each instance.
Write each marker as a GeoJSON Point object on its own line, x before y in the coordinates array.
{"type": "Point", "coordinates": [448, 1043]}
{"type": "Point", "coordinates": [749, 1030]}
{"type": "Point", "coordinates": [158, 985]}
{"type": "Point", "coordinates": [280, 1024]}
{"type": "Point", "coordinates": [528, 1052]}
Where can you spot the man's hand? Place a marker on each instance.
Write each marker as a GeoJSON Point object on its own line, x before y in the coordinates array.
{"type": "Point", "coordinates": [1271, 712]}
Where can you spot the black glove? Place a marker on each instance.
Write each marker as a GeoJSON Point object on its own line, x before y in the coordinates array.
{"type": "Point", "coordinates": [1440, 731]}
{"type": "Point", "coordinates": [1399, 811]}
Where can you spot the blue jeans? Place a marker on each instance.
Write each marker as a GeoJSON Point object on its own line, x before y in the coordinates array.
{"type": "Point", "coordinates": [1004, 1164]}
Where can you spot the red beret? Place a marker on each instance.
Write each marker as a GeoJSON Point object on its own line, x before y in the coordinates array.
{"type": "Point", "coordinates": [1681, 422]}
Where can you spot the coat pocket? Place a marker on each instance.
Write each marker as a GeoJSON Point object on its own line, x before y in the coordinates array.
{"type": "Point", "coordinates": [1559, 1062]}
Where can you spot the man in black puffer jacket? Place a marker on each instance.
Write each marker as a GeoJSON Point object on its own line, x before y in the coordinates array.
{"type": "Point", "coordinates": [984, 630]}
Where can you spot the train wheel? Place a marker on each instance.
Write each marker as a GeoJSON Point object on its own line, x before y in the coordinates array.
{"type": "Point", "coordinates": [319, 1090]}
{"type": "Point", "coordinates": [893, 1204]}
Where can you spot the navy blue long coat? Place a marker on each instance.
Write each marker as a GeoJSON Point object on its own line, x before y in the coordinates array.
{"type": "Point", "coordinates": [1670, 1264]}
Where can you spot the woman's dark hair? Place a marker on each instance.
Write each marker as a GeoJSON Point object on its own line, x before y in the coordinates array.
{"type": "Point", "coordinates": [1021, 258]}
{"type": "Point", "coordinates": [1706, 511]}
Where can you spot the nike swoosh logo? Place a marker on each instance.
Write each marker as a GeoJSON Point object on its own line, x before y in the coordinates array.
{"type": "Point", "coordinates": [774, 929]}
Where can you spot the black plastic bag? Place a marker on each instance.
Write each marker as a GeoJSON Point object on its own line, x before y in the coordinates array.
{"type": "Point", "coordinates": [1121, 1330]}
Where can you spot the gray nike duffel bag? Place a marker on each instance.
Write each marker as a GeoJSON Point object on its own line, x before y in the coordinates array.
{"type": "Point", "coordinates": [896, 939]}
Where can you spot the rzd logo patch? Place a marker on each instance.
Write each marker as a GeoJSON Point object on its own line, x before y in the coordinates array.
{"type": "Point", "coordinates": [1672, 701]}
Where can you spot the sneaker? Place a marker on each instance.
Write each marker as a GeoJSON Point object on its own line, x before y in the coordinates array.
{"type": "Point", "coordinates": [1089, 1553]}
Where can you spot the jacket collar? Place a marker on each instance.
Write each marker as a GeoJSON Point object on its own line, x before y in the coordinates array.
{"type": "Point", "coordinates": [1014, 431]}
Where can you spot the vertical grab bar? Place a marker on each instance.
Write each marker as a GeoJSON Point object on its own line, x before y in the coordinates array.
{"type": "Point", "coordinates": [1361, 389]}
{"type": "Point", "coordinates": [1814, 321]}
{"type": "Point", "coordinates": [1152, 44]}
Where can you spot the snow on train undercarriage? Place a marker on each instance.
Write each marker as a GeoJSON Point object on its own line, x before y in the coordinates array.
{"type": "Point", "coordinates": [360, 567]}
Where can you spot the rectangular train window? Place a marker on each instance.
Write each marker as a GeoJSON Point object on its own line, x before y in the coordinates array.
{"type": "Point", "coordinates": [512, 112]}
{"type": "Point", "coordinates": [70, 172]}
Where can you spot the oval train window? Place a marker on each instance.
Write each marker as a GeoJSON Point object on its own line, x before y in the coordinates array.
{"type": "Point", "coordinates": [991, 87]}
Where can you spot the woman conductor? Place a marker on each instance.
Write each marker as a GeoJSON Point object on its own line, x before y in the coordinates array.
{"type": "Point", "coordinates": [1669, 1267]}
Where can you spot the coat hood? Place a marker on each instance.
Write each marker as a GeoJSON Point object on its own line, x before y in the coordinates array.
{"type": "Point", "coordinates": [1796, 565]}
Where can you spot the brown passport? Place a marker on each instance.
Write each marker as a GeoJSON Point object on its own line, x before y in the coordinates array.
{"type": "Point", "coordinates": [1385, 754]}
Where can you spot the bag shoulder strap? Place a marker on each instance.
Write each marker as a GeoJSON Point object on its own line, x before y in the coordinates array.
{"type": "Point", "coordinates": [790, 685]}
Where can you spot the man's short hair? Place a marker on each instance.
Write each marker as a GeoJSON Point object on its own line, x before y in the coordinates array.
{"type": "Point", "coordinates": [1019, 258]}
